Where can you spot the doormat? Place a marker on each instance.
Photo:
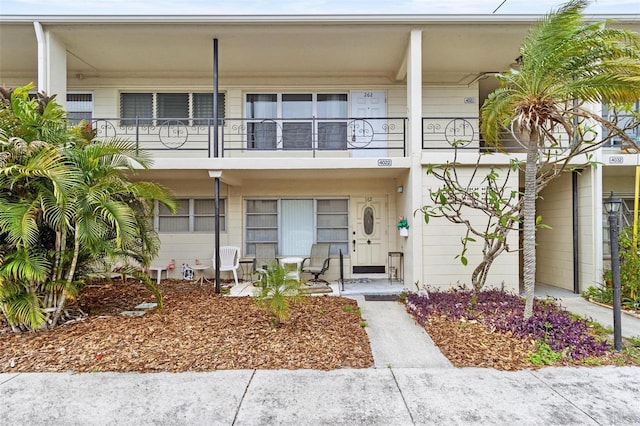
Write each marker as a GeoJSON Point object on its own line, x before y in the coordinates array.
{"type": "Point", "coordinates": [374, 269]}
{"type": "Point", "coordinates": [381, 297]}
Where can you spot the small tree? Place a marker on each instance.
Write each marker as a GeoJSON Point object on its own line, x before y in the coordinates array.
{"type": "Point", "coordinates": [491, 195]}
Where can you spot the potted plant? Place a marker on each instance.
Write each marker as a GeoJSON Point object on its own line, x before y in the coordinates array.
{"type": "Point", "coordinates": [403, 226]}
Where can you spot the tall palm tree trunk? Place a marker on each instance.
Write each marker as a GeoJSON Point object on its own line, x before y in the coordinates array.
{"type": "Point", "coordinates": [529, 222]}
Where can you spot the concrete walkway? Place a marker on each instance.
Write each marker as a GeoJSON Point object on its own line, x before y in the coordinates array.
{"type": "Point", "coordinates": [396, 339]}
{"type": "Point", "coordinates": [630, 325]}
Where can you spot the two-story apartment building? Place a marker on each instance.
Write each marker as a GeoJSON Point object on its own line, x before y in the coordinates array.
{"type": "Point", "coordinates": [326, 127]}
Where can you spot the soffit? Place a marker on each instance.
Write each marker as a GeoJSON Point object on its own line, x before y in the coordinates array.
{"type": "Point", "coordinates": [18, 49]}
{"type": "Point", "coordinates": [452, 52]}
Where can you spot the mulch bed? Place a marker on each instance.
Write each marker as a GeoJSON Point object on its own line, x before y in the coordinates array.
{"type": "Point", "coordinates": [196, 330]}
{"type": "Point", "coordinates": [472, 344]}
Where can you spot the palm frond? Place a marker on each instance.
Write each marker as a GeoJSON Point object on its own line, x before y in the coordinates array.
{"type": "Point", "coordinates": [25, 265]}
{"type": "Point", "coordinates": [24, 310]}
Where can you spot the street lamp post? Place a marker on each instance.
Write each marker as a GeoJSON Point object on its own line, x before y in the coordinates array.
{"type": "Point", "coordinates": [612, 207]}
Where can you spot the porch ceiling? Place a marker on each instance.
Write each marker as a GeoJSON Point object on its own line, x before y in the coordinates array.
{"type": "Point", "coordinates": [237, 177]}
{"type": "Point", "coordinates": [452, 52]}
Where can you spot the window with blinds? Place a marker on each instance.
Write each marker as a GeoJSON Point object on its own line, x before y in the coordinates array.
{"type": "Point", "coordinates": [203, 107]}
{"type": "Point", "coordinates": [172, 106]}
{"type": "Point", "coordinates": [197, 107]}
{"type": "Point", "coordinates": [294, 224]}
{"type": "Point", "coordinates": [136, 106]}
{"type": "Point", "coordinates": [192, 215]}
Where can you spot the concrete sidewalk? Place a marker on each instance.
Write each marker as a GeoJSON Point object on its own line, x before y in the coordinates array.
{"type": "Point", "coordinates": [411, 384]}
{"type": "Point", "coordinates": [387, 396]}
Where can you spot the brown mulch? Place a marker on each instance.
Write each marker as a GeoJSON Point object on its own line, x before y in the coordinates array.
{"type": "Point", "coordinates": [196, 330]}
{"type": "Point", "coordinates": [472, 344]}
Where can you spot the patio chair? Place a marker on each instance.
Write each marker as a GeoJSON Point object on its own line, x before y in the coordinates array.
{"type": "Point", "coordinates": [265, 256]}
{"type": "Point", "coordinates": [229, 260]}
{"type": "Point", "coordinates": [318, 262]}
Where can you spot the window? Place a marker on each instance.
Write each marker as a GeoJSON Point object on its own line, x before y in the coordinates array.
{"type": "Point", "coordinates": [297, 134]}
{"type": "Point", "coordinates": [163, 106]}
{"type": "Point", "coordinates": [79, 107]}
{"type": "Point", "coordinates": [295, 224]}
{"type": "Point", "coordinates": [136, 105]}
{"type": "Point", "coordinates": [297, 121]}
{"type": "Point", "coordinates": [172, 105]}
{"type": "Point", "coordinates": [626, 119]}
{"type": "Point", "coordinates": [203, 107]}
{"type": "Point", "coordinates": [332, 134]}
{"type": "Point", "coordinates": [192, 215]}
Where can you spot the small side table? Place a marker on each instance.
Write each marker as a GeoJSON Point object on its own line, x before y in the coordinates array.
{"type": "Point", "coordinates": [158, 270]}
{"type": "Point", "coordinates": [199, 272]}
{"type": "Point", "coordinates": [287, 263]}
{"type": "Point", "coordinates": [248, 269]}
{"type": "Point", "coordinates": [400, 268]}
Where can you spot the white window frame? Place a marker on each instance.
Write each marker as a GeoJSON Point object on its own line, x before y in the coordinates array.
{"type": "Point", "coordinates": [278, 213]}
{"type": "Point", "coordinates": [191, 214]}
{"type": "Point", "coordinates": [280, 120]}
{"type": "Point", "coordinates": [71, 106]}
{"type": "Point", "coordinates": [190, 107]}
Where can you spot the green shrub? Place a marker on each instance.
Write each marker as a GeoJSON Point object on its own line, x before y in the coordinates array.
{"type": "Point", "coordinates": [543, 355]}
{"type": "Point", "coordinates": [277, 293]}
{"type": "Point", "coordinates": [629, 276]}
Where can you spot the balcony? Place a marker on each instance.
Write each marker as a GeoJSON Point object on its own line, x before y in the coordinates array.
{"type": "Point", "coordinates": [302, 138]}
{"type": "Point", "coordinates": [463, 133]}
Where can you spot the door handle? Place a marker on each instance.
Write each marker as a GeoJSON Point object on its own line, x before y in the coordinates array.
{"type": "Point", "coordinates": [354, 245]}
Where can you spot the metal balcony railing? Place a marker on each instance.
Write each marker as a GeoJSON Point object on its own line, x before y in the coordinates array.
{"type": "Point", "coordinates": [302, 137]}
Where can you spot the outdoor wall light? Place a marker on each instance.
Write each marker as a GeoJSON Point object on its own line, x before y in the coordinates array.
{"type": "Point", "coordinates": [400, 189]}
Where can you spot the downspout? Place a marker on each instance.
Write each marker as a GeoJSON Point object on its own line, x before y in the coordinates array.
{"type": "Point", "coordinates": [576, 238]}
{"type": "Point", "coordinates": [42, 66]}
{"type": "Point", "coordinates": [215, 155]}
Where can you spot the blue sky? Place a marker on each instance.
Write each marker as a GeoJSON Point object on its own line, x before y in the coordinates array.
{"type": "Point", "coordinates": [312, 7]}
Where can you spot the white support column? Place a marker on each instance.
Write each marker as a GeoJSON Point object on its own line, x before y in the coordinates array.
{"type": "Point", "coordinates": [414, 245]}
{"type": "Point", "coordinates": [52, 64]}
{"type": "Point", "coordinates": [597, 217]}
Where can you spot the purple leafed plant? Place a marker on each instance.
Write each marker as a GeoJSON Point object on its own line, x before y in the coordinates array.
{"type": "Point", "coordinates": [550, 322]}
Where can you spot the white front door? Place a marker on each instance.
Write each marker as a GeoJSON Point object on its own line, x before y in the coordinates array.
{"type": "Point", "coordinates": [369, 234]}
{"type": "Point", "coordinates": [366, 136]}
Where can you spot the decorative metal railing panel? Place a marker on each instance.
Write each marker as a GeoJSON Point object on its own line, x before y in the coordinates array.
{"type": "Point", "coordinates": [311, 137]}
{"type": "Point", "coordinates": [441, 133]}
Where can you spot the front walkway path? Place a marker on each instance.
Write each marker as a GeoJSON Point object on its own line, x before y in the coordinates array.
{"type": "Point", "coordinates": [396, 339]}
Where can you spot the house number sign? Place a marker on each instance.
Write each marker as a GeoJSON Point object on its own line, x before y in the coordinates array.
{"type": "Point", "coordinates": [384, 162]}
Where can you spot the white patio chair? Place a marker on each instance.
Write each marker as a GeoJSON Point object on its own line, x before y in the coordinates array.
{"type": "Point", "coordinates": [229, 260]}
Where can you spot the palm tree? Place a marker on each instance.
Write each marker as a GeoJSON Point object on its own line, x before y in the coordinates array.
{"type": "Point", "coordinates": [566, 63]}
{"type": "Point", "coordinates": [63, 205]}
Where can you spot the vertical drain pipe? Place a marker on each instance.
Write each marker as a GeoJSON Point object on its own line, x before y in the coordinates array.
{"type": "Point", "coordinates": [215, 154]}
{"type": "Point", "coordinates": [576, 239]}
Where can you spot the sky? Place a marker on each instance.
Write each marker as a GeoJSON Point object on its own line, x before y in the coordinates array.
{"type": "Point", "coordinates": [304, 7]}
